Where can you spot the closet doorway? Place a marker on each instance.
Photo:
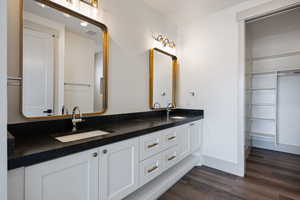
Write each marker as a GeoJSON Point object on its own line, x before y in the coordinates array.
{"type": "Point", "coordinates": [273, 82]}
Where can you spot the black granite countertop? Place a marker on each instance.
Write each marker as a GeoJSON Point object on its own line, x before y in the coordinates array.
{"type": "Point", "coordinates": [35, 142]}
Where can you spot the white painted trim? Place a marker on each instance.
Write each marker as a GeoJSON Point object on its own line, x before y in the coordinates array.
{"type": "Point", "coordinates": [161, 184]}
{"type": "Point", "coordinates": [267, 8]}
{"type": "Point", "coordinates": [241, 100]}
{"type": "Point", "coordinates": [270, 145]}
{"type": "Point", "coordinates": [242, 17]}
{"type": "Point", "coordinates": [3, 99]}
{"type": "Point", "coordinates": [222, 165]}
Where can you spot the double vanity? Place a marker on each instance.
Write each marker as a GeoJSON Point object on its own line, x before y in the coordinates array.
{"type": "Point", "coordinates": [62, 147]}
{"type": "Point", "coordinates": [138, 150]}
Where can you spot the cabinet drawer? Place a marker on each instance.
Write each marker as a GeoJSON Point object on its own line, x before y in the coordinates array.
{"type": "Point", "coordinates": [170, 157]}
{"type": "Point", "coordinates": [151, 168]}
{"type": "Point", "coordinates": [151, 144]}
{"type": "Point", "coordinates": [170, 138]}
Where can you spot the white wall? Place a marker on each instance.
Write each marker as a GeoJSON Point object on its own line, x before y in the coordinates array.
{"type": "Point", "coordinates": [275, 42]}
{"type": "Point", "coordinates": [130, 26]}
{"type": "Point", "coordinates": [209, 56]}
{"type": "Point", "coordinates": [3, 104]}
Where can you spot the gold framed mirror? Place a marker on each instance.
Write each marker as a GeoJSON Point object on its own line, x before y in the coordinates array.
{"type": "Point", "coordinates": [64, 61]}
{"type": "Point", "coordinates": [163, 79]}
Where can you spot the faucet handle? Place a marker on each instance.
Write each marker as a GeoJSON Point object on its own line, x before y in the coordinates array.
{"type": "Point", "coordinates": [170, 105]}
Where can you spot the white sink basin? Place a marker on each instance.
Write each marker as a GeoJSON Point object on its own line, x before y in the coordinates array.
{"type": "Point", "coordinates": [81, 136]}
{"type": "Point", "coordinates": [177, 117]}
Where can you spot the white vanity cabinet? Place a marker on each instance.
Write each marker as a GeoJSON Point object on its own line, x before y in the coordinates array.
{"type": "Point", "coordinates": [163, 149]}
{"type": "Point", "coordinates": [110, 172]}
{"type": "Point", "coordinates": [119, 169]}
{"type": "Point", "coordinates": [72, 177]}
{"type": "Point", "coordinates": [106, 173]}
{"type": "Point", "coordinates": [195, 130]}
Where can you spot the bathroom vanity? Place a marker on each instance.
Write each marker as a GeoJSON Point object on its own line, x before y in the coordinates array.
{"type": "Point", "coordinates": [64, 149]}
{"type": "Point", "coordinates": [140, 149]}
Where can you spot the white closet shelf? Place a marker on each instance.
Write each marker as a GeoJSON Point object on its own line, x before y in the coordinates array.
{"type": "Point", "coordinates": [255, 133]}
{"type": "Point", "coordinates": [261, 118]}
{"type": "Point", "coordinates": [272, 72]}
{"type": "Point", "coordinates": [292, 53]}
{"type": "Point", "coordinates": [261, 73]}
{"type": "Point", "coordinates": [262, 104]}
{"type": "Point", "coordinates": [255, 89]}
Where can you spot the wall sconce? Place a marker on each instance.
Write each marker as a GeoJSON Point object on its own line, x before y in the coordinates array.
{"type": "Point", "coordinates": [164, 40]}
{"type": "Point", "coordinates": [93, 3]}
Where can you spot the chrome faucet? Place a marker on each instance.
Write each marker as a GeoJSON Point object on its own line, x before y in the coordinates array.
{"type": "Point", "coordinates": [64, 110]}
{"type": "Point", "coordinates": [74, 119]}
{"type": "Point", "coordinates": [156, 105]}
{"type": "Point", "coordinates": [169, 109]}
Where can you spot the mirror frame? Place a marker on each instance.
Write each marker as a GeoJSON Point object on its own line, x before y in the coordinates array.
{"type": "Point", "coordinates": [174, 77]}
{"type": "Point", "coordinates": [105, 38]}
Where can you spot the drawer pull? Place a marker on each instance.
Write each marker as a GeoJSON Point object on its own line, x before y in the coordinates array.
{"type": "Point", "coordinates": [192, 124]}
{"type": "Point", "coordinates": [171, 138]}
{"type": "Point", "coordinates": [152, 169]}
{"type": "Point", "coordinates": [171, 158]}
{"type": "Point", "coordinates": [152, 145]}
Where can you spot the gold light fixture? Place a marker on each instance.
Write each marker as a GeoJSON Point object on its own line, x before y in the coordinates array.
{"type": "Point", "coordinates": [164, 40]}
{"type": "Point", "coordinates": [93, 3]}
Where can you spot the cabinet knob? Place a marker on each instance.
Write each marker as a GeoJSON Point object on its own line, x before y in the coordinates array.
{"type": "Point", "coordinates": [95, 154]}
{"type": "Point", "coordinates": [104, 151]}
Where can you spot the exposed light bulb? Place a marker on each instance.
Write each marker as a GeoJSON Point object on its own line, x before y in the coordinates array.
{"type": "Point", "coordinates": [84, 24]}
{"type": "Point", "coordinates": [41, 4]}
{"type": "Point", "coordinates": [66, 15]}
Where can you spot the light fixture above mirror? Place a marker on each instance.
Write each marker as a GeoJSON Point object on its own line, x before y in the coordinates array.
{"type": "Point", "coordinates": [164, 40]}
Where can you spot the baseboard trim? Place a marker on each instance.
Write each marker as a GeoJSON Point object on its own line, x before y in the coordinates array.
{"type": "Point", "coordinates": [154, 189]}
{"type": "Point", "coordinates": [270, 145]}
{"type": "Point", "coordinates": [222, 165]}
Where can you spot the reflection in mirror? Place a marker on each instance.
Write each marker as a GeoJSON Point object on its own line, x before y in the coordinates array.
{"type": "Point", "coordinates": [162, 82]}
{"type": "Point", "coordinates": [63, 63]}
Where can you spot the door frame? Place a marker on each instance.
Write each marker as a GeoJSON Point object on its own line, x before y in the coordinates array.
{"type": "Point", "coordinates": [242, 17]}
{"type": "Point", "coordinates": [3, 99]}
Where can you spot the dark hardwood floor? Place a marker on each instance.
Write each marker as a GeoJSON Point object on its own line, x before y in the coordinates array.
{"type": "Point", "coordinates": [270, 176]}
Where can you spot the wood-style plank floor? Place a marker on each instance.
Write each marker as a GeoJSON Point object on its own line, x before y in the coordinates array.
{"type": "Point", "coordinates": [269, 176]}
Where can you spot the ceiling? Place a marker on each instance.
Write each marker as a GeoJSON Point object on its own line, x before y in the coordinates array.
{"type": "Point", "coordinates": [183, 10]}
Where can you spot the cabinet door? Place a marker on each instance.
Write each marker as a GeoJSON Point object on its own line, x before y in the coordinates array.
{"type": "Point", "coordinates": [184, 141]}
{"type": "Point", "coordinates": [72, 177]}
{"type": "Point", "coordinates": [195, 130]}
{"type": "Point", "coordinates": [119, 169]}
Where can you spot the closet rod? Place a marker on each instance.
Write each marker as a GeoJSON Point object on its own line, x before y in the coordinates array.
{"type": "Point", "coordinates": [295, 7]}
{"type": "Point", "coordinates": [11, 78]}
{"type": "Point", "coordinates": [79, 84]}
{"type": "Point", "coordinates": [282, 73]}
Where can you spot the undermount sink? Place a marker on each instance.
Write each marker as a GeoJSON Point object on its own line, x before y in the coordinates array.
{"type": "Point", "coordinates": [81, 136]}
{"type": "Point", "coordinates": [177, 117]}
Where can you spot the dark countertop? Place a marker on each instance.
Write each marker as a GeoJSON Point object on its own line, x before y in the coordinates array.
{"type": "Point", "coordinates": [34, 141]}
